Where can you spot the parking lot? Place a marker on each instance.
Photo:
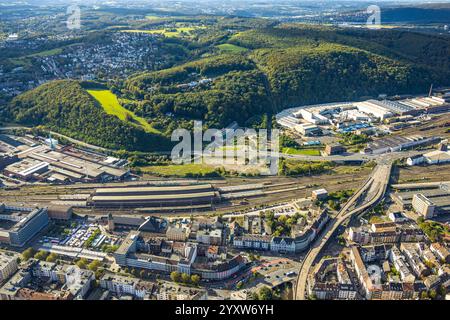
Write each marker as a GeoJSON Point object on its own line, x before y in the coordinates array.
{"type": "Point", "coordinates": [79, 235]}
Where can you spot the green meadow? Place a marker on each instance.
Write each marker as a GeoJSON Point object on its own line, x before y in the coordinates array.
{"type": "Point", "coordinates": [231, 48]}
{"type": "Point", "coordinates": [111, 105]}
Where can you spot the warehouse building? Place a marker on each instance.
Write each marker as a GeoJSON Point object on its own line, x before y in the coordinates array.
{"type": "Point", "coordinates": [375, 108]}
{"type": "Point", "coordinates": [40, 162]}
{"type": "Point", "coordinates": [6, 160]}
{"type": "Point", "coordinates": [174, 196]}
{"type": "Point", "coordinates": [312, 117]}
{"type": "Point", "coordinates": [398, 143]}
{"type": "Point", "coordinates": [398, 108]}
{"type": "Point", "coordinates": [308, 129]}
{"type": "Point", "coordinates": [428, 202]}
{"type": "Point", "coordinates": [437, 157]}
{"type": "Point", "coordinates": [427, 104]}
{"type": "Point", "coordinates": [334, 149]}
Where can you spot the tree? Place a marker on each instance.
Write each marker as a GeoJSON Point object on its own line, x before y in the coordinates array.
{"type": "Point", "coordinates": [52, 257]}
{"type": "Point", "coordinates": [282, 219]}
{"type": "Point", "coordinates": [142, 274]}
{"type": "Point", "coordinates": [175, 276]}
{"type": "Point", "coordinates": [82, 263]}
{"type": "Point", "coordinates": [442, 291]}
{"type": "Point", "coordinates": [185, 278]}
{"type": "Point", "coordinates": [93, 266]}
{"type": "Point", "coordinates": [432, 294]}
{"type": "Point", "coordinates": [28, 253]}
{"type": "Point", "coordinates": [41, 255]}
{"type": "Point", "coordinates": [99, 273]}
{"type": "Point", "coordinates": [239, 285]}
{"type": "Point", "coordinates": [195, 279]}
{"type": "Point", "coordinates": [265, 293]}
{"type": "Point", "coordinates": [424, 295]}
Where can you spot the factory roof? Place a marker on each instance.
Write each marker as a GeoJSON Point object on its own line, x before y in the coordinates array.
{"type": "Point", "coordinates": [155, 197]}
{"type": "Point", "coordinates": [438, 155]}
{"type": "Point", "coordinates": [152, 189]}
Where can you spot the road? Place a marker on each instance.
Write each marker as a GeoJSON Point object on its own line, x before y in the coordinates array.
{"type": "Point", "coordinates": [379, 181]}
{"type": "Point", "coordinates": [56, 134]}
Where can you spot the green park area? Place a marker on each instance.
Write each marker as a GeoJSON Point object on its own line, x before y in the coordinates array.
{"type": "Point", "coordinates": [169, 32]}
{"type": "Point", "coordinates": [306, 152]}
{"type": "Point", "coordinates": [111, 105]}
{"type": "Point", "coordinates": [230, 48]}
{"type": "Point", "coordinates": [182, 170]}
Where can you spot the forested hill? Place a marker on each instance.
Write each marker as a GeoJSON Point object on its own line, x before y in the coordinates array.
{"type": "Point", "coordinates": [295, 65]}
{"type": "Point", "coordinates": [65, 107]}
{"type": "Point", "coordinates": [246, 77]}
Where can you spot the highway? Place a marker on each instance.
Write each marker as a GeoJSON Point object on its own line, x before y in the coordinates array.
{"type": "Point", "coordinates": [378, 181]}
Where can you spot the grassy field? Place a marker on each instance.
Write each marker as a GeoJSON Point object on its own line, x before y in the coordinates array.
{"type": "Point", "coordinates": [181, 170]}
{"type": "Point", "coordinates": [171, 32]}
{"type": "Point", "coordinates": [153, 18]}
{"type": "Point", "coordinates": [24, 61]}
{"type": "Point", "coordinates": [306, 152]}
{"type": "Point", "coordinates": [47, 53]}
{"type": "Point", "coordinates": [109, 102]}
{"type": "Point", "coordinates": [230, 48]}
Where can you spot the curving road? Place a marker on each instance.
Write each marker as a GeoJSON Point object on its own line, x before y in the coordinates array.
{"type": "Point", "coordinates": [378, 181]}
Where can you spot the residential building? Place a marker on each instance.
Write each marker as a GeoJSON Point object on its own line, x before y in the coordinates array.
{"type": "Point", "coordinates": [8, 264]}
{"type": "Point", "coordinates": [423, 206]}
{"type": "Point", "coordinates": [121, 285]}
{"type": "Point", "coordinates": [282, 245]}
{"type": "Point", "coordinates": [399, 261]}
{"type": "Point", "coordinates": [372, 289]}
{"type": "Point", "coordinates": [177, 233]}
{"type": "Point", "coordinates": [209, 237]}
{"type": "Point", "coordinates": [440, 251]}
{"type": "Point", "coordinates": [253, 242]}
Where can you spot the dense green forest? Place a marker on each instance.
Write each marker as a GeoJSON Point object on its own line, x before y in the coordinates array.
{"type": "Point", "coordinates": [65, 107]}
{"type": "Point", "coordinates": [279, 66]}
{"type": "Point", "coordinates": [291, 65]}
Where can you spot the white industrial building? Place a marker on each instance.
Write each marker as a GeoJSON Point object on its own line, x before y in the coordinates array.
{"type": "Point", "coordinates": [307, 129]}
{"type": "Point", "coordinates": [437, 157]}
{"type": "Point", "coordinates": [312, 117]}
{"type": "Point", "coordinates": [372, 107]}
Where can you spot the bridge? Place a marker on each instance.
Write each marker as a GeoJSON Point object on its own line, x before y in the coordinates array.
{"type": "Point", "coordinates": [374, 188]}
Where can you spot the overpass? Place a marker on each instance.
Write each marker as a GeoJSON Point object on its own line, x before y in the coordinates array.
{"type": "Point", "coordinates": [378, 181]}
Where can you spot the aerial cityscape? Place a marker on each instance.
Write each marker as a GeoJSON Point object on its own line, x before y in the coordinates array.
{"type": "Point", "coordinates": [210, 150]}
